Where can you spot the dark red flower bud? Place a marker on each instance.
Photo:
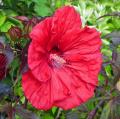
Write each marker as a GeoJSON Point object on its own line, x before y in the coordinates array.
{"type": "Point", "coordinates": [34, 21]}
{"type": "Point", "coordinates": [28, 28]}
{"type": "Point", "coordinates": [15, 33]}
{"type": "Point", "coordinates": [3, 65]}
{"type": "Point", "coordinates": [31, 23]}
{"type": "Point", "coordinates": [22, 18]}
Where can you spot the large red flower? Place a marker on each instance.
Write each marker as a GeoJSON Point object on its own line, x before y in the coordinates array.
{"type": "Point", "coordinates": [64, 60]}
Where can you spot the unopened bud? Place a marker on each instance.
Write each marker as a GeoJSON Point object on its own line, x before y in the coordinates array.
{"type": "Point", "coordinates": [22, 18]}
{"type": "Point", "coordinates": [15, 33]}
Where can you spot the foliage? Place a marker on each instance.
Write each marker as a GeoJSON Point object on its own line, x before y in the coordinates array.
{"type": "Point", "coordinates": [17, 19]}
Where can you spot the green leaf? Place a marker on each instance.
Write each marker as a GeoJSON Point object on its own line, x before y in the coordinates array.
{"type": "Point", "coordinates": [59, 3]}
{"type": "Point", "coordinates": [106, 111]}
{"type": "Point", "coordinates": [2, 18]}
{"type": "Point", "coordinates": [10, 13]}
{"type": "Point", "coordinates": [54, 109]}
{"type": "Point", "coordinates": [15, 22]}
{"type": "Point", "coordinates": [6, 26]}
{"type": "Point", "coordinates": [42, 10]}
{"type": "Point", "coordinates": [47, 116]}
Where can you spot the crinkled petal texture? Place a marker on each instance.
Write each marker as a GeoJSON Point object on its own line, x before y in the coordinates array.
{"type": "Point", "coordinates": [64, 61]}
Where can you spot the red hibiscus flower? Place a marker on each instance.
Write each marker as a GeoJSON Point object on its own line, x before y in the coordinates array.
{"type": "Point", "coordinates": [64, 60]}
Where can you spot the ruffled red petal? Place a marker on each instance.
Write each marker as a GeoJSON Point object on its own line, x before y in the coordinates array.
{"type": "Point", "coordinates": [64, 90]}
{"type": "Point", "coordinates": [81, 95]}
{"type": "Point", "coordinates": [82, 41]}
{"type": "Point", "coordinates": [72, 81]}
{"type": "Point", "coordinates": [78, 90]}
{"type": "Point", "coordinates": [39, 94]}
{"type": "Point", "coordinates": [42, 32]}
{"type": "Point", "coordinates": [37, 61]}
{"type": "Point", "coordinates": [66, 19]}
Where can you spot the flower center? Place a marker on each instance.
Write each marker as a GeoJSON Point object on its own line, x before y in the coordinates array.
{"type": "Point", "coordinates": [56, 60]}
